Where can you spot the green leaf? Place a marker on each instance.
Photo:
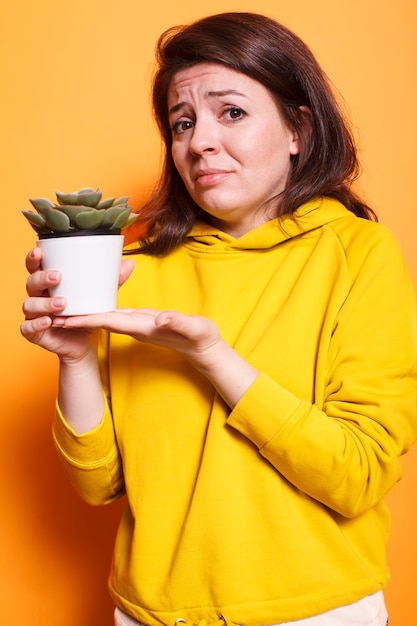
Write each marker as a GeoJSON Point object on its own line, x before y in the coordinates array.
{"type": "Point", "coordinates": [56, 220]}
{"type": "Point", "coordinates": [36, 220]}
{"type": "Point", "coordinates": [41, 203]}
{"type": "Point", "coordinates": [112, 214]}
{"type": "Point", "coordinates": [72, 211]}
{"type": "Point", "coordinates": [130, 220]}
{"type": "Point", "coordinates": [122, 200]}
{"type": "Point", "coordinates": [106, 204]}
{"type": "Point", "coordinates": [121, 219]}
{"type": "Point", "coordinates": [88, 220]}
{"type": "Point", "coordinates": [67, 198]}
{"type": "Point", "coordinates": [89, 198]}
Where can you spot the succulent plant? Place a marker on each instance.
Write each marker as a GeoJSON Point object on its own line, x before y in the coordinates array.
{"type": "Point", "coordinates": [79, 211]}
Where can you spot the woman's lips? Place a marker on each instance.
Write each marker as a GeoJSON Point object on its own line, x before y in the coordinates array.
{"type": "Point", "coordinates": [206, 178]}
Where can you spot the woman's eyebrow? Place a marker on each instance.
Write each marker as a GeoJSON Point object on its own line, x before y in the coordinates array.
{"type": "Point", "coordinates": [225, 92]}
{"type": "Point", "coordinates": [177, 107]}
{"type": "Point", "coordinates": [210, 94]}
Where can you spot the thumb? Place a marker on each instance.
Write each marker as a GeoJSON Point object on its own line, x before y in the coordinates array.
{"type": "Point", "coordinates": [179, 323]}
{"type": "Point", "coordinates": [126, 268]}
{"type": "Point", "coordinates": [190, 327]}
{"type": "Point", "coordinates": [169, 319]}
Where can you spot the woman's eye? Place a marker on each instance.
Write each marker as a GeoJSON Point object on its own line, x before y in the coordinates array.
{"type": "Point", "coordinates": [178, 128]}
{"type": "Point", "coordinates": [234, 113]}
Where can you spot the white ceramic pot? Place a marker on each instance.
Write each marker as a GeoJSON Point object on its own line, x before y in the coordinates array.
{"type": "Point", "coordinates": [90, 266]}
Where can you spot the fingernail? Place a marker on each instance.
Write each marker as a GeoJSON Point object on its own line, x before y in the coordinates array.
{"type": "Point", "coordinates": [58, 303]}
{"type": "Point", "coordinates": [53, 276]}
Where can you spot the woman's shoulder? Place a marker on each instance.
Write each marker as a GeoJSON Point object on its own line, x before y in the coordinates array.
{"type": "Point", "coordinates": [358, 232]}
{"type": "Point", "coordinates": [368, 246]}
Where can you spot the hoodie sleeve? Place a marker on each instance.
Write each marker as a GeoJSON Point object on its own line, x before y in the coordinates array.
{"type": "Point", "coordinates": [344, 450]}
{"type": "Point", "coordinates": [92, 460]}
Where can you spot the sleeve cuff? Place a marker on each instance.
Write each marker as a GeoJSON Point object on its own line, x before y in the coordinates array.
{"type": "Point", "coordinates": [86, 449]}
{"type": "Point", "coordinates": [263, 410]}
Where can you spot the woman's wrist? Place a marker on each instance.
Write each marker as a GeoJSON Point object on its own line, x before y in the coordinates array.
{"type": "Point", "coordinates": [80, 394]}
{"type": "Point", "coordinates": [229, 373]}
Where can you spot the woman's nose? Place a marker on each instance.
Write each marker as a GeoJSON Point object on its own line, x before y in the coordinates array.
{"type": "Point", "coordinates": [204, 137]}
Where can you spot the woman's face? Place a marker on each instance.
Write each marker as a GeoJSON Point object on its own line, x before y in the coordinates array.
{"type": "Point", "coordinates": [230, 145]}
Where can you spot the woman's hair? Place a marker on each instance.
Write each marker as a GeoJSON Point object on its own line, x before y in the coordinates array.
{"type": "Point", "coordinates": [268, 52]}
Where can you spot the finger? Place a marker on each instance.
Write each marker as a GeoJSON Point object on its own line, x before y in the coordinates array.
{"type": "Point", "coordinates": [32, 330]}
{"type": "Point", "coordinates": [185, 325]}
{"type": "Point", "coordinates": [40, 281]}
{"type": "Point", "coordinates": [126, 321]}
{"type": "Point", "coordinates": [126, 269]}
{"type": "Point", "coordinates": [38, 307]}
{"type": "Point", "coordinates": [191, 327]}
{"type": "Point", "coordinates": [33, 260]}
{"type": "Point", "coordinates": [166, 318]}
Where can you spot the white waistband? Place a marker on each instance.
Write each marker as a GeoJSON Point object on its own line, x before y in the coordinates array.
{"type": "Point", "coordinates": [369, 611]}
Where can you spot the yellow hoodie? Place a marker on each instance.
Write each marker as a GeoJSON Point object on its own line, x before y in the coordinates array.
{"type": "Point", "coordinates": [272, 511]}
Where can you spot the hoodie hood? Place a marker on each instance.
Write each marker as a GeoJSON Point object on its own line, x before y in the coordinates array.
{"type": "Point", "coordinates": [309, 216]}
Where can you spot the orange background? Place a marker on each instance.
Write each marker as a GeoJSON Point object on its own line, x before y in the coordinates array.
{"type": "Point", "coordinates": [75, 112]}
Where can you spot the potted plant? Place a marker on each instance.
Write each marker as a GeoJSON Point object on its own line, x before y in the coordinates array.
{"type": "Point", "coordinates": [80, 235]}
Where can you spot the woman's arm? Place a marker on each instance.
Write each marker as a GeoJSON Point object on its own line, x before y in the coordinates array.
{"type": "Point", "coordinates": [196, 337]}
{"type": "Point", "coordinates": [80, 391]}
{"type": "Point", "coordinates": [82, 427]}
{"type": "Point", "coordinates": [343, 447]}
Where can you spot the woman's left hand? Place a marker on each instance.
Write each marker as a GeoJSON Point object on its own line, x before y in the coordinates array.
{"type": "Point", "coordinates": [195, 337]}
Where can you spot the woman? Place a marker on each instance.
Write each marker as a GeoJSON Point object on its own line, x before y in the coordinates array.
{"type": "Point", "coordinates": [259, 376]}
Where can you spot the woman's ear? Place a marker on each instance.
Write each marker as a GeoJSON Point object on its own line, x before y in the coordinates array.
{"type": "Point", "coordinates": [295, 143]}
{"type": "Point", "coordinates": [305, 125]}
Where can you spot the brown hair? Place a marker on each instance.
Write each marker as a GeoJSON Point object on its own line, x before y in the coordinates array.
{"type": "Point", "coordinates": [268, 52]}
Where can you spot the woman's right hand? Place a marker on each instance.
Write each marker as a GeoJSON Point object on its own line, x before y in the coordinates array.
{"type": "Point", "coordinates": [39, 309]}
{"type": "Point", "coordinates": [71, 345]}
